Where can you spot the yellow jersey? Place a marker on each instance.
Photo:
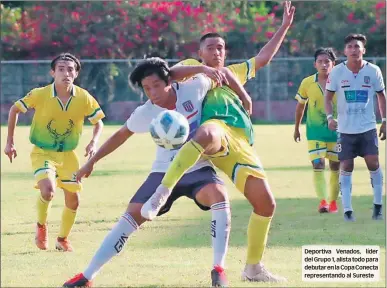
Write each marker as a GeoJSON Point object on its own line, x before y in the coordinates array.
{"type": "Point", "coordinates": [316, 120]}
{"type": "Point", "coordinates": [57, 126]}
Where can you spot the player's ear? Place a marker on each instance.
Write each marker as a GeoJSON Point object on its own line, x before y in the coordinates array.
{"type": "Point", "coordinates": [314, 64]}
{"type": "Point", "coordinates": [76, 74]}
{"type": "Point", "coordinates": [200, 53]}
{"type": "Point", "coordinates": [52, 73]}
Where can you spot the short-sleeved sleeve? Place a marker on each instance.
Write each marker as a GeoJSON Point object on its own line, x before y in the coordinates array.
{"type": "Point", "coordinates": [331, 84]}
{"type": "Point", "coordinates": [94, 112]}
{"type": "Point", "coordinates": [379, 82]}
{"type": "Point", "coordinates": [302, 95]}
{"type": "Point", "coordinates": [29, 101]}
{"type": "Point", "coordinates": [244, 71]}
{"type": "Point", "coordinates": [141, 118]}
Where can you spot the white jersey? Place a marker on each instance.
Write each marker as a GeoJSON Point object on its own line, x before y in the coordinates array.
{"type": "Point", "coordinates": [190, 95]}
{"type": "Point", "coordinates": [355, 96]}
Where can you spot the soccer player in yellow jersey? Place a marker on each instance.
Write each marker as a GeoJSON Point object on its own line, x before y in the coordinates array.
{"type": "Point", "coordinates": [321, 140]}
{"type": "Point", "coordinates": [60, 109]}
{"type": "Point", "coordinates": [225, 137]}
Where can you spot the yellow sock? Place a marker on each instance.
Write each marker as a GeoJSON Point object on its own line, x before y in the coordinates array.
{"type": "Point", "coordinates": [42, 206]}
{"type": "Point", "coordinates": [68, 219]}
{"type": "Point", "coordinates": [319, 183]}
{"type": "Point", "coordinates": [188, 155]}
{"type": "Point", "coordinates": [334, 185]}
{"type": "Point", "coordinates": [257, 232]}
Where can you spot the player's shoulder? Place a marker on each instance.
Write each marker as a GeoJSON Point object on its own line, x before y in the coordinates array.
{"type": "Point", "coordinates": [371, 66]}
{"type": "Point", "coordinates": [339, 67]}
{"type": "Point", "coordinates": [309, 80]}
{"type": "Point", "coordinates": [81, 92]}
{"type": "Point", "coordinates": [42, 91]}
{"type": "Point", "coordinates": [189, 62]}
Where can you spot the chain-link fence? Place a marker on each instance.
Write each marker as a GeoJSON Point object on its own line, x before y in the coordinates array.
{"type": "Point", "coordinates": [273, 88]}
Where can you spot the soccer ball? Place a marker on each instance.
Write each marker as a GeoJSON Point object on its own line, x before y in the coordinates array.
{"type": "Point", "coordinates": [169, 129]}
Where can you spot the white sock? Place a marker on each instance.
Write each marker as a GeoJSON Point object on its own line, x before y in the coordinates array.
{"type": "Point", "coordinates": [112, 245]}
{"type": "Point", "coordinates": [220, 231]}
{"type": "Point", "coordinates": [377, 185]}
{"type": "Point", "coordinates": [345, 181]}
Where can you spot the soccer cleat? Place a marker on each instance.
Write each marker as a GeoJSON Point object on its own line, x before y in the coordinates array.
{"type": "Point", "coordinates": [78, 281]}
{"type": "Point", "coordinates": [218, 277]}
{"type": "Point", "coordinates": [62, 244]}
{"type": "Point", "coordinates": [260, 274]}
{"type": "Point", "coordinates": [348, 216]}
{"type": "Point", "coordinates": [377, 214]}
{"type": "Point", "coordinates": [151, 208]}
{"type": "Point", "coordinates": [41, 236]}
{"type": "Point", "coordinates": [333, 207]}
{"type": "Point", "coordinates": [323, 207]}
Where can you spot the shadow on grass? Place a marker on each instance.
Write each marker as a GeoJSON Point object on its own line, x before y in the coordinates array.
{"type": "Point", "coordinates": [295, 223]}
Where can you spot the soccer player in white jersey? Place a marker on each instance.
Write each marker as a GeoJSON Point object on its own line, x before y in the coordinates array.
{"type": "Point", "coordinates": [355, 82]}
{"type": "Point", "coordinates": [200, 183]}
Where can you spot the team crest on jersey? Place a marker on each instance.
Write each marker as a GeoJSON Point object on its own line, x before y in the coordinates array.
{"type": "Point", "coordinates": [188, 106]}
{"type": "Point", "coordinates": [366, 79]}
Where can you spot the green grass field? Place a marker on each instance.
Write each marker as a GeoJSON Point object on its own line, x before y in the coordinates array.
{"type": "Point", "coordinates": [175, 250]}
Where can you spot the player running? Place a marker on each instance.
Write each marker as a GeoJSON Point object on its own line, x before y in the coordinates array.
{"type": "Point", "coordinates": [60, 109]}
{"type": "Point", "coordinates": [226, 137]}
{"type": "Point", "coordinates": [201, 183]}
{"type": "Point", "coordinates": [355, 82]}
{"type": "Point", "coordinates": [321, 141]}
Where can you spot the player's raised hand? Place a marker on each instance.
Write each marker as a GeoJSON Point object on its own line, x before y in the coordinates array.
{"type": "Point", "coordinates": [216, 75]}
{"type": "Point", "coordinates": [297, 135]}
{"type": "Point", "coordinates": [332, 124]}
{"type": "Point", "coordinates": [85, 171]}
{"type": "Point", "coordinates": [10, 151]}
{"type": "Point", "coordinates": [91, 149]}
{"type": "Point", "coordinates": [288, 15]}
{"type": "Point", "coordinates": [382, 131]}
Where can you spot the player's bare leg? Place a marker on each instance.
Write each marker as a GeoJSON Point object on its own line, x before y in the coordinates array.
{"type": "Point", "coordinates": [334, 167]}
{"type": "Point", "coordinates": [68, 219]}
{"type": "Point", "coordinates": [345, 180]}
{"type": "Point", "coordinates": [376, 175]}
{"type": "Point", "coordinates": [258, 193]}
{"type": "Point", "coordinates": [320, 184]}
{"type": "Point", "coordinates": [47, 190]}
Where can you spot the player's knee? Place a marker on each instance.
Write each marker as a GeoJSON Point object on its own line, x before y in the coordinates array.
{"type": "Point", "coordinates": [212, 194]}
{"type": "Point", "coordinates": [372, 162]}
{"type": "Point", "coordinates": [47, 191]}
{"type": "Point", "coordinates": [334, 165]}
{"type": "Point", "coordinates": [134, 209]}
{"type": "Point", "coordinates": [346, 165]}
{"type": "Point", "coordinates": [318, 163]}
{"type": "Point", "coordinates": [208, 137]}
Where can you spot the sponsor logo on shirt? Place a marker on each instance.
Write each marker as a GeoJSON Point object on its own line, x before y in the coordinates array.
{"type": "Point", "coordinates": [356, 96]}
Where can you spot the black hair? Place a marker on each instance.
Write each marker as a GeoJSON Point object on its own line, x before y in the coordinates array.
{"type": "Point", "coordinates": [150, 66]}
{"type": "Point", "coordinates": [66, 57]}
{"type": "Point", "coordinates": [325, 51]}
{"type": "Point", "coordinates": [353, 36]}
{"type": "Point", "coordinates": [209, 35]}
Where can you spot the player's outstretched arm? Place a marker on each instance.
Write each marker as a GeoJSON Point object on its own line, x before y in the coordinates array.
{"type": "Point", "coordinates": [270, 49]}
{"type": "Point", "coordinates": [115, 141]}
{"type": "Point", "coordinates": [91, 148]}
{"type": "Point", "coordinates": [13, 116]}
{"type": "Point", "coordinates": [238, 88]}
{"type": "Point", "coordinates": [382, 109]}
{"type": "Point", "coordinates": [300, 109]}
{"type": "Point", "coordinates": [332, 123]}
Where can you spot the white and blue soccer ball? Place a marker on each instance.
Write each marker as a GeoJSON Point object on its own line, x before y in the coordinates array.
{"type": "Point", "coordinates": [169, 129]}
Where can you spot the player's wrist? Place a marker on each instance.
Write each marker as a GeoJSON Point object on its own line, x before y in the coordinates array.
{"type": "Point", "coordinates": [329, 116]}
{"type": "Point", "coordinates": [384, 120]}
